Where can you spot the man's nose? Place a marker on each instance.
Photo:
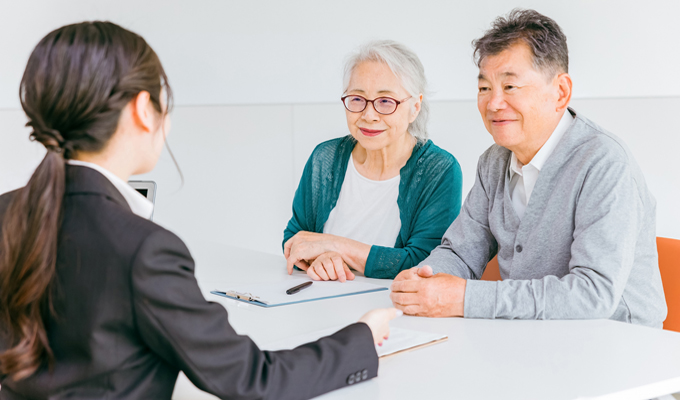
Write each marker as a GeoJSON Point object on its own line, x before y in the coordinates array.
{"type": "Point", "coordinates": [497, 101]}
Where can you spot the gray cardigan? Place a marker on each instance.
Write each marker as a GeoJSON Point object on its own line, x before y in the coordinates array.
{"type": "Point", "coordinates": [586, 247]}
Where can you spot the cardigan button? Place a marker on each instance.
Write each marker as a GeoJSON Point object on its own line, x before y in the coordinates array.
{"type": "Point", "coordinates": [518, 248]}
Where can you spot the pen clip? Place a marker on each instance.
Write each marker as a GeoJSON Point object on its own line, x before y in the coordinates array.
{"type": "Point", "coordinates": [244, 296]}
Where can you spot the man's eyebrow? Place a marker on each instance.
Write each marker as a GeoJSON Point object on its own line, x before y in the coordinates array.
{"type": "Point", "coordinates": [356, 90]}
{"type": "Point", "coordinates": [504, 74]}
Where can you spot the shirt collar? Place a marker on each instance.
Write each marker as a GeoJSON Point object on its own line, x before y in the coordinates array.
{"type": "Point", "coordinates": [548, 147]}
{"type": "Point", "coordinates": [139, 204]}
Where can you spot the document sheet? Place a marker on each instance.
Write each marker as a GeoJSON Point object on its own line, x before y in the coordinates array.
{"type": "Point", "coordinates": [400, 340]}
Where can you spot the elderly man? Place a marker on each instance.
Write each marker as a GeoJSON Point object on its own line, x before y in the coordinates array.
{"type": "Point", "coordinates": [560, 200]}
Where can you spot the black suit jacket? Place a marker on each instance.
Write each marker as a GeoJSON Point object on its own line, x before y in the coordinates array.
{"type": "Point", "coordinates": [130, 316]}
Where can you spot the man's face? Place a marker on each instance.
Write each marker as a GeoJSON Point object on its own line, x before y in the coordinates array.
{"type": "Point", "coordinates": [517, 102]}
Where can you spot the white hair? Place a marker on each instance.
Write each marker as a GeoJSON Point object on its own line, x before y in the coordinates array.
{"type": "Point", "coordinates": [406, 66]}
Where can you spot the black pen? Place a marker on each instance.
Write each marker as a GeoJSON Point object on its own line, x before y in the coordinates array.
{"type": "Point", "coordinates": [297, 288]}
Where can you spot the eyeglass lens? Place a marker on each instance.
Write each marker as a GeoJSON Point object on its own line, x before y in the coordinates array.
{"type": "Point", "coordinates": [383, 105]}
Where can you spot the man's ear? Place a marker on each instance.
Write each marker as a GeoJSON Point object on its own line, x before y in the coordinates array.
{"type": "Point", "coordinates": [564, 84]}
{"type": "Point", "coordinates": [141, 112]}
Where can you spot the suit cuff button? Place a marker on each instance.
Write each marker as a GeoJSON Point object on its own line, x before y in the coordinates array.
{"type": "Point", "coordinates": [364, 374]}
{"type": "Point", "coordinates": [350, 379]}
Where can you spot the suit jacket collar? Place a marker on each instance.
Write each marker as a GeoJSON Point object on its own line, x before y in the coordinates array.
{"type": "Point", "coordinates": [84, 180]}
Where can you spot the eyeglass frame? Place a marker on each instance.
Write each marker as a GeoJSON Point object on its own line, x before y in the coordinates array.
{"type": "Point", "coordinates": [372, 103]}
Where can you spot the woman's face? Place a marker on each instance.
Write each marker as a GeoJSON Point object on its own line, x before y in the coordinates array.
{"type": "Point", "coordinates": [375, 131]}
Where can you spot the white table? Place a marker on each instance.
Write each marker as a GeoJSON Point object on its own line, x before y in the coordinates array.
{"type": "Point", "coordinates": [483, 359]}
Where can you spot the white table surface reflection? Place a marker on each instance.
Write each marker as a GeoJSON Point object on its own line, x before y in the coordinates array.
{"type": "Point", "coordinates": [483, 359]}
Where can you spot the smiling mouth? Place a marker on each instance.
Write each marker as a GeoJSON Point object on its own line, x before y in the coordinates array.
{"type": "Point", "coordinates": [502, 121]}
{"type": "Point", "coordinates": [371, 132]}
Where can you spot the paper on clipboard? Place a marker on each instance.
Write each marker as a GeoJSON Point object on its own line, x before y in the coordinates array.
{"type": "Point", "coordinates": [400, 340]}
{"type": "Point", "coordinates": [274, 294]}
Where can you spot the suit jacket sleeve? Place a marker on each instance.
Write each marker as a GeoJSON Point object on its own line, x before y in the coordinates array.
{"type": "Point", "coordinates": [186, 331]}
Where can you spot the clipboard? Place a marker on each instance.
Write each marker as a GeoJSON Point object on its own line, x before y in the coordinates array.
{"type": "Point", "coordinates": [274, 294]}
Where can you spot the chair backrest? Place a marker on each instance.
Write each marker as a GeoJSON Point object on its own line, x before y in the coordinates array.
{"type": "Point", "coordinates": [669, 265]}
{"type": "Point", "coordinates": [491, 273]}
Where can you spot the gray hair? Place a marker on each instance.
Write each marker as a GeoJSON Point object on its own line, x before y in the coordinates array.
{"type": "Point", "coordinates": [406, 66]}
{"type": "Point", "coordinates": [544, 37]}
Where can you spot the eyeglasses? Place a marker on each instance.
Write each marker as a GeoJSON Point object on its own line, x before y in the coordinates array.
{"type": "Point", "coordinates": [382, 105]}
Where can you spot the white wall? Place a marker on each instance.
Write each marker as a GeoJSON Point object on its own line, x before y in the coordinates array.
{"type": "Point", "coordinates": [257, 84]}
{"type": "Point", "coordinates": [281, 52]}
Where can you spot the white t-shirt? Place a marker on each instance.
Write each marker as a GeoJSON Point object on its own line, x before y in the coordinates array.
{"type": "Point", "coordinates": [366, 210]}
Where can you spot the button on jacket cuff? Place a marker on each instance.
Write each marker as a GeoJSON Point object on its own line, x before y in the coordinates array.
{"type": "Point", "coordinates": [480, 299]}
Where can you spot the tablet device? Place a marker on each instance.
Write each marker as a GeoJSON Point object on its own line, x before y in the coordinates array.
{"type": "Point", "coordinates": [147, 189]}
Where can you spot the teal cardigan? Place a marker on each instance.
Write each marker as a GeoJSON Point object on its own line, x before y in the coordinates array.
{"type": "Point", "coordinates": [430, 192]}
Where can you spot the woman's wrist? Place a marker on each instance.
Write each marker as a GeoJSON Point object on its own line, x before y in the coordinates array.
{"type": "Point", "coordinates": [354, 253]}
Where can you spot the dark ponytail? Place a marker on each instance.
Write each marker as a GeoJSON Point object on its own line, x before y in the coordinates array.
{"type": "Point", "coordinates": [76, 83]}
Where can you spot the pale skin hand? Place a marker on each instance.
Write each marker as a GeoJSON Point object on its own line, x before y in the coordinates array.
{"type": "Point", "coordinates": [378, 321]}
{"type": "Point", "coordinates": [417, 291]}
{"type": "Point", "coordinates": [330, 266]}
{"type": "Point", "coordinates": [305, 247]}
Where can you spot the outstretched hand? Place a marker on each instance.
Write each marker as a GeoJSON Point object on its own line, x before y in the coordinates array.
{"type": "Point", "coordinates": [379, 322]}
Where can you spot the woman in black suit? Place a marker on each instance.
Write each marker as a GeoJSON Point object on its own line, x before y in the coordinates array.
{"type": "Point", "coordinates": [95, 300]}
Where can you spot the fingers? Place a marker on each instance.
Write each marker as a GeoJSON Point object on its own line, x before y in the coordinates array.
{"type": "Point", "coordinates": [406, 286]}
{"type": "Point", "coordinates": [348, 272]}
{"type": "Point", "coordinates": [312, 274]}
{"type": "Point", "coordinates": [411, 273]}
{"type": "Point", "coordinates": [425, 271]}
{"type": "Point", "coordinates": [330, 269]}
{"type": "Point", "coordinates": [321, 271]}
{"type": "Point", "coordinates": [405, 299]}
{"type": "Point", "coordinates": [409, 310]}
{"type": "Point", "coordinates": [339, 269]}
{"type": "Point", "coordinates": [290, 263]}
{"type": "Point", "coordinates": [287, 246]}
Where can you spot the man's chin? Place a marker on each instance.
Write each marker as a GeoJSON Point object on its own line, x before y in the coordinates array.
{"type": "Point", "coordinates": [504, 139]}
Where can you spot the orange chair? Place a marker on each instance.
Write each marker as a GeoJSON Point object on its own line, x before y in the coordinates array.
{"type": "Point", "coordinates": [669, 265]}
{"type": "Point", "coordinates": [491, 273]}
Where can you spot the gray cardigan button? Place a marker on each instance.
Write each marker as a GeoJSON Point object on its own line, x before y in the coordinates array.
{"type": "Point", "coordinates": [518, 248]}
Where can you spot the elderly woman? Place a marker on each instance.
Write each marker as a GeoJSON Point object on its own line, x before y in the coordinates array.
{"type": "Point", "coordinates": [379, 200]}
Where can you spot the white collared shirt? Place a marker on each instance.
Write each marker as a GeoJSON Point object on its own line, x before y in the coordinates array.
{"type": "Point", "coordinates": [523, 177]}
{"type": "Point", "coordinates": [139, 204]}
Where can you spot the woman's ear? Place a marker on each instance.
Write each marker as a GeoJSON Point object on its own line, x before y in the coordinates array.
{"type": "Point", "coordinates": [142, 114]}
{"type": "Point", "coordinates": [416, 108]}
